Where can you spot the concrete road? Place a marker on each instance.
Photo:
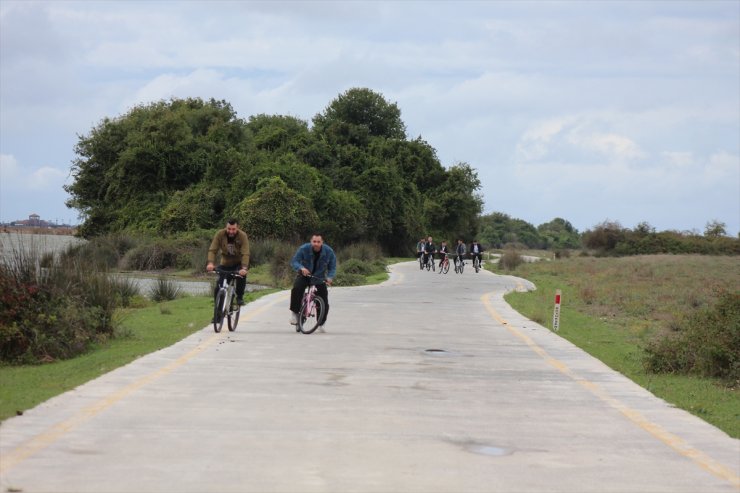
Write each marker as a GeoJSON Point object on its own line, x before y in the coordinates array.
{"type": "Point", "coordinates": [428, 383]}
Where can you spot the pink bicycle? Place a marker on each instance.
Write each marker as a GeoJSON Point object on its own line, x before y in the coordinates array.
{"type": "Point", "coordinates": [312, 312]}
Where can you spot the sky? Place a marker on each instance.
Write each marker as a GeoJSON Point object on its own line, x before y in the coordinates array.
{"type": "Point", "coordinates": [590, 110]}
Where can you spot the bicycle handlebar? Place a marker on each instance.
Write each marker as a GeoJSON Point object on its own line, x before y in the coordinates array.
{"type": "Point", "coordinates": [221, 271]}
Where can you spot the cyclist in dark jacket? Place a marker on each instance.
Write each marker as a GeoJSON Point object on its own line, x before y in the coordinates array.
{"type": "Point", "coordinates": [475, 251]}
{"type": "Point", "coordinates": [460, 251]}
{"type": "Point", "coordinates": [443, 252]}
{"type": "Point", "coordinates": [315, 263]}
{"type": "Point", "coordinates": [429, 249]}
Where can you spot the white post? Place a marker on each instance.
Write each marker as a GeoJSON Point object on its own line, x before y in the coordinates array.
{"type": "Point", "coordinates": [556, 312]}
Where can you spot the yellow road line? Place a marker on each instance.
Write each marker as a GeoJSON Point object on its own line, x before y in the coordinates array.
{"type": "Point", "coordinates": [673, 441]}
{"type": "Point", "coordinates": [54, 433]}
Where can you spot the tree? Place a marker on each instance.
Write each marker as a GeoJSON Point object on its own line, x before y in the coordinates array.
{"type": "Point", "coordinates": [358, 114]}
{"type": "Point", "coordinates": [128, 167]}
{"type": "Point", "coordinates": [558, 234]}
{"type": "Point", "coordinates": [276, 211]}
{"type": "Point", "coordinates": [715, 229]}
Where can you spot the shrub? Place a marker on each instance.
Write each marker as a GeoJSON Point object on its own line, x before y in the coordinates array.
{"type": "Point", "coordinates": [708, 344]}
{"type": "Point", "coordinates": [510, 260]}
{"type": "Point", "coordinates": [348, 279]}
{"type": "Point", "coordinates": [280, 269]}
{"type": "Point", "coordinates": [53, 312]}
{"type": "Point", "coordinates": [360, 251]}
{"type": "Point", "coordinates": [152, 256]}
{"type": "Point", "coordinates": [357, 266]}
{"type": "Point", "coordinates": [164, 290]}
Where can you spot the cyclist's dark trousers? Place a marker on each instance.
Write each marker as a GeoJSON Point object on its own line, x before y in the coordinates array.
{"type": "Point", "coordinates": [241, 282]}
{"type": "Point", "coordinates": [473, 255]}
{"type": "Point", "coordinates": [299, 287]}
{"type": "Point", "coordinates": [426, 257]}
{"type": "Point", "coordinates": [441, 258]}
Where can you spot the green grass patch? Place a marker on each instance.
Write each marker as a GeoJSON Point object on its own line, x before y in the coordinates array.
{"type": "Point", "coordinates": [612, 308]}
{"type": "Point", "coordinates": [143, 330]}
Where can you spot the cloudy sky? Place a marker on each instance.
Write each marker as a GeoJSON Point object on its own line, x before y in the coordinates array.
{"type": "Point", "coordinates": [587, 110]}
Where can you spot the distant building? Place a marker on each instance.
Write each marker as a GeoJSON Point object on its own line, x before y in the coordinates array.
{"type": "Point", "coordinates": [35, 221]}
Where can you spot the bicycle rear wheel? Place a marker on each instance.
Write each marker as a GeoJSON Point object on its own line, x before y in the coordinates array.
{"type": "Point", "coordinates": [218, 311]}
{"type": "Point", "coordinates": [311, 315]}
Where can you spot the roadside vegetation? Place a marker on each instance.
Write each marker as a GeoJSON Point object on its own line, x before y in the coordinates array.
{"type": "Point", "coordinates": [64, 319]}
{"type": "Point", "coordinates": [671, 323]}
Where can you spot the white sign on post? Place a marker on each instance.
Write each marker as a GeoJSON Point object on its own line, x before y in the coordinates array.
{"type": "Point", "coordinates": [556, 313]}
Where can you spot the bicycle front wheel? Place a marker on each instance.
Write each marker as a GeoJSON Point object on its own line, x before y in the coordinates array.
{"type": "Point", "coordinates": [476, 264]}
{"type": "Point", "coordinates": [234, 318]}
{"type": "Point", "coordinates": [445, 268]}
{"type": "Point", "coordinates": [311, 315]}
{"type": "Point", "coordinates": [218, 311]}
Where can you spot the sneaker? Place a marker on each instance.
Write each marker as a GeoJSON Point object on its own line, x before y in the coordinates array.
{"type": "Point", "coordinates": [240, 301]}
{"type": "Point", "coordinates": [293, 318]}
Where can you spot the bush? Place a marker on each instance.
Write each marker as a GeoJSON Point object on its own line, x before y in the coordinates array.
{"type": "Point", "coordinates": [357, 266]}
{"type": "Point", "coordinates": [280, 269]}
{"type": "Point", "coordinates": [360, 251]}
{"type": "Point", "coordinates": [154, 256]}
{"type": "Point", "coordinates": [708, 344]}
{"type": "Point", "coordinates": [53, 312]}
{"type": "Point", "coordinates": [347, 279]}
{"type": "Point", "coordinates": [510, 260]}
{"type": "Point", "coordinates": [164, 290]}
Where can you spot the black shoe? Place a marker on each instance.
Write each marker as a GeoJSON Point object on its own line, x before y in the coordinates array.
{"type": "Point", "coordinates": [240, 301]}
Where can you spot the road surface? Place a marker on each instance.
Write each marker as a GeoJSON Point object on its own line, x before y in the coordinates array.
{"type": "Point", "coordinates": [428, 383]}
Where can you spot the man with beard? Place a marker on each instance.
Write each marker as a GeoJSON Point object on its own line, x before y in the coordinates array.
{"type": "Point", "coordinates": [314, 263]}
{"type": "Point", "coordinates": [234, 247]}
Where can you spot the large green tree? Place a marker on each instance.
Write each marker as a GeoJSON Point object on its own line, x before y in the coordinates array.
{"type": "Point", "coordinates": [187, 164]}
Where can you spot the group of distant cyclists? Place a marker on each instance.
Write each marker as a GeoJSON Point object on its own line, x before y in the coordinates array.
{"type": "Point", "coordinates": [425, 251]}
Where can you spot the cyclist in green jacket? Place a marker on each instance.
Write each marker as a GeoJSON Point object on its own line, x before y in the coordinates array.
{"type": "Point", "coordinates": [234, 247]}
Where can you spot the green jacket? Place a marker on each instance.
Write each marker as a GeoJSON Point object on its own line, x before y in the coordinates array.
{"type": "Point", "coordinates": [240, 254]}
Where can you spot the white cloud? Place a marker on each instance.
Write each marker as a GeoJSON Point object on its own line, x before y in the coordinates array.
{"type": "Point", "coordinates": [46, 178]}
{"type": "Point", "coordinates": [8, 168]}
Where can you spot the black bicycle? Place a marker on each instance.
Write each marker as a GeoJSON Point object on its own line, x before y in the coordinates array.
{"type": "Point", "coordinates": [459, 264]}
{"type": "Point", "coordinates": [476, 263]}
{"type": "Point", "coordinates": [226, 306]}
{"type": "Point", "coordinates": [430, 261]}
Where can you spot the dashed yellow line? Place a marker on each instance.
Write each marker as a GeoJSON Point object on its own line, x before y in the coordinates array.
{"type": "Point", "coordinates": [673, 441]}
{"type": "Point", "coordinates": [54, 433]}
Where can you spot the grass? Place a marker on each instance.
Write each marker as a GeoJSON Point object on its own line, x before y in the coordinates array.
{"type": "Point", "coordinates": [612, 307]}
{"type": "Point", "coordinates": [143, 330]}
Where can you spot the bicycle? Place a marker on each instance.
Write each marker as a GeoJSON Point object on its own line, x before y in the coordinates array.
{"type": "Point", "coordinates": [311, 315]}
{"type": "Point", "coordinates": [476, 263]}
{"type": "Point", "coordinates": [444, 267]}
{"type": "Point", "coordinates": [459, 264]}
{"type": "Point", "coordinates": [225, 305]}
{"type": "Point", "coordinates": [430, 261]}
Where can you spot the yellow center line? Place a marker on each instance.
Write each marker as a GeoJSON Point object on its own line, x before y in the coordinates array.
{"type": "Point", "coordinates": [673, 441]}
{"type": "Point", "coordinates": [54, 433]}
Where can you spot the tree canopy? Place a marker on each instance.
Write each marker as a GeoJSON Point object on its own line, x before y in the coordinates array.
{"type": "Point", "coordinates": [188, 164]}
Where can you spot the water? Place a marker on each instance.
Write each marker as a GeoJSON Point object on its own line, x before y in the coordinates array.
{"type": "Point", "coordinates": [14, 242]}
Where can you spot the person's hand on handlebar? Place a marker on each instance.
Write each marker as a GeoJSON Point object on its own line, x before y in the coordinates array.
{"type": "Point", "coordinates": [243, 272]}
{"type": "Point", "coordinates": [328, 282]}
{"type": "Point", "coordinates": [305, 271]}
{"type": "Point", "coordinates": [210, 267]}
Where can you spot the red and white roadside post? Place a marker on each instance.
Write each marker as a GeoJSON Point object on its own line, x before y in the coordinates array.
{"type": "Point", "coordinates": [556, 312]}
